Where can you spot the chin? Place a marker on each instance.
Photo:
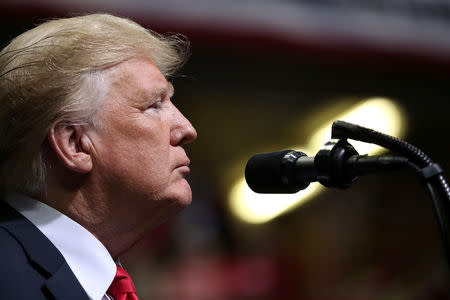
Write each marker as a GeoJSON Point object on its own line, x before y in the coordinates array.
{"type": "Point", "coordinates": [182, 194]}
{"type": "Point", "coordinates": [186, 199]}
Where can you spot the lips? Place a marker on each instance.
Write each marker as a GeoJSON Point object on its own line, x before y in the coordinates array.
{"type": "Point", "coordinates": [186, 163]}
{"type": "Point", "coordinates": [184, 166]}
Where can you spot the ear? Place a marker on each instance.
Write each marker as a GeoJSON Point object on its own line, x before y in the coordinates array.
{"type": "Point", "coordinates": [72, 146]}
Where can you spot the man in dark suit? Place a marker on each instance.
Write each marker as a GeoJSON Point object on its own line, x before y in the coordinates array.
{"type": "Point", "coordinates": [91, 155]}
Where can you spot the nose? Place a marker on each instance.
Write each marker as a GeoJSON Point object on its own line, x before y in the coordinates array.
{"type": "Point", "coordinates": [182, 131]}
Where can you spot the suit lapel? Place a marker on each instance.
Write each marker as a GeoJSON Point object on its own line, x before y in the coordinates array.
{"type": "Point", "coordinates": [58, 285]}
{"type": "Point", "coordinates": [61, 281]}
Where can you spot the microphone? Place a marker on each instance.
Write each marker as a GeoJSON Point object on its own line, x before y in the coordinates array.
{"type": "Point", "coordinates": [277, 172]}
{"type": "Point", "coordinates": [337, 165]}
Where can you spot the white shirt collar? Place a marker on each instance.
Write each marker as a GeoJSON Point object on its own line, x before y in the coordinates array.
{"type": "Point", "coordinates": [86, 256]}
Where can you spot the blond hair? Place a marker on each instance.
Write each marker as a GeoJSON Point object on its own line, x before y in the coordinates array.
{"type": "Point", "coordinates": [54, 72]}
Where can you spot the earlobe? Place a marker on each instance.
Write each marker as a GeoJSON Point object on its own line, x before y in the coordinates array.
{"type": "Point", "coordinates": [72, 146]}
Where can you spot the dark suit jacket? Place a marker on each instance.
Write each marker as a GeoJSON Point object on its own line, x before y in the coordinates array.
{"type": "Point", "coordinates": [31, 268]}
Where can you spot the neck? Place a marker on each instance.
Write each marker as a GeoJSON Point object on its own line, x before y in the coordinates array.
{"type": "Point", "coordinates": [116, 216]}
{"type": "Point", "coordinates": [94, 212]}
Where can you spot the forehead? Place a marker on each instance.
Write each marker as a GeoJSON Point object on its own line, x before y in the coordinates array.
{"type": "Point", "coordinates": [138, 78]}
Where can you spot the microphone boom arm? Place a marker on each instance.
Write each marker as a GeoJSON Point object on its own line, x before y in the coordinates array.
{"type": "Point", "coordinates": [430, 173]}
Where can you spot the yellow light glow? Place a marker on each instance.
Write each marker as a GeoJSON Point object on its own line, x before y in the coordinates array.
{"type": "Point", "coordinates": [259, 208]}
{"type": "Point", "coordinates": [377, 113]}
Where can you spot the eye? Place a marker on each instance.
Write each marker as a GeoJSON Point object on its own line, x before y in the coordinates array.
{"type": "Point", "coordinates": [156, 105]}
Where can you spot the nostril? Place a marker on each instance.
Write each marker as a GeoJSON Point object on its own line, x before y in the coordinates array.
{"type": "Point", "coordinates": [176, 137]}
{"type": "Point", "coordinates": [191, 135]}
{"type": "Point", "coordinates": [183, 135]}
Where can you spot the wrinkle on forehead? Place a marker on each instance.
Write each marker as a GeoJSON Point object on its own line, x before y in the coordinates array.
{"type": "Point", "coordinates": [127, 82]}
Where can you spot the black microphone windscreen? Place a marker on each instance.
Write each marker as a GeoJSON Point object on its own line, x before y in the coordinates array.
{"type": "Point", "coordinates": [266, 173]}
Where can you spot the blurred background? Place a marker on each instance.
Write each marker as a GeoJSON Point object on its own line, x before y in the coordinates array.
{"type": "Point", "coordinates": [272, 75]}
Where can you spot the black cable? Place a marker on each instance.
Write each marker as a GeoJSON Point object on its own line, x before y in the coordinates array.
{"type": "Point", "coordinates": [441, 222]}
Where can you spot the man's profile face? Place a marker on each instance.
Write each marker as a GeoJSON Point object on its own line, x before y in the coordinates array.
{"type": "Point", "coordinates": [138, 147]}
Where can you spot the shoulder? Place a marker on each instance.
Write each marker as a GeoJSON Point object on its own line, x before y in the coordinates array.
{"type": "Point", "coordinates": [18, 276]}
{"type": "Point", "coordinates": [11, 250]}
{"type": "Point", "coordinates": [12, 255]}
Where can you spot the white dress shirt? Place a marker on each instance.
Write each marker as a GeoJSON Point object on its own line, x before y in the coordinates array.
{"type": "Point", "coordinates": [86, 256]}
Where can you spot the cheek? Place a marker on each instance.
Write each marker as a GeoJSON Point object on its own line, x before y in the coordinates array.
{"type": "Point", "coordinates": [135, 149]}
{"type": "Point", "coordinates": [156, 161]}
{"type": "Point", "coordinates": [147, 154]}
{"type": "Point", "coordinates": [139, 169]}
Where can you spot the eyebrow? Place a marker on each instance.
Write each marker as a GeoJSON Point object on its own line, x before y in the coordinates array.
{"type": "Point", "coordinates": [169, 90]}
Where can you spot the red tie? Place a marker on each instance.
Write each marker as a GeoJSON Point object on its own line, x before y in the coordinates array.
{"type": "Point", "coordinates": [122, 288]}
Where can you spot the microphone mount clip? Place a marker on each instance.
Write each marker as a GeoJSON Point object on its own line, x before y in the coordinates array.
{"type": "Point", "coordinates": [330, 163]}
